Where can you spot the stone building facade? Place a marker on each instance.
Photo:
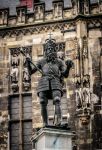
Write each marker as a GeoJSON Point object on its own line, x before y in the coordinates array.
{"type": "Point", "coordinates": [78, 33]}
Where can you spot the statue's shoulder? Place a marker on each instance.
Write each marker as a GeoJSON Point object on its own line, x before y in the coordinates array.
{"type": "Point", "coordinates": [42, 61]}
{"type": "Point", "coordinates": [59, 61]}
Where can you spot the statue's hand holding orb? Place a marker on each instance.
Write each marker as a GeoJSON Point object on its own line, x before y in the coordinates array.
{"type": "Point", "coordinates": [69, 63]}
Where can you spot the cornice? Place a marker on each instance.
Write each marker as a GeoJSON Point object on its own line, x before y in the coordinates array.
{"type": "Point", "coordinates": [37, 24]}
{"type": "Point", "coordinates": [63, 24]}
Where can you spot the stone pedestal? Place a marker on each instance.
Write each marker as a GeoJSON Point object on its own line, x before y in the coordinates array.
{"type": "Point", "coordinates": [52, 139]}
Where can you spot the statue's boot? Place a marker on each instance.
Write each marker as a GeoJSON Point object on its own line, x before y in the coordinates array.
{"type": "Point", "coordinates": [44, 114]}
{"type": "Point", "coordinates": [57, 117]}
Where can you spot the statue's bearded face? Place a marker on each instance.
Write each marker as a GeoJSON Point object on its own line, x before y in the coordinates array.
{"type": "Point", "coordinates": [50, 53]}
{"type": "Point", "coordinates": [51, 56]}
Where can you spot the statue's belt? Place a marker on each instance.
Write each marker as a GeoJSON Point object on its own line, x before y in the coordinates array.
{"type": "Point", "coordinates": [50, 76]}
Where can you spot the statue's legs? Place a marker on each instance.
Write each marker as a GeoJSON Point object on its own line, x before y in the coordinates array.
{"type": "Point", "coordinates": [56, 100]}
{"type": "Point", "coordinates": [43, 102]}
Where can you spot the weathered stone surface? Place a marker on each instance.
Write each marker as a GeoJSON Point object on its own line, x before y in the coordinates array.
{"type": "Point", "coordinates": [53, 139]}
{"type": "Point", "coordinates": [34, 34]}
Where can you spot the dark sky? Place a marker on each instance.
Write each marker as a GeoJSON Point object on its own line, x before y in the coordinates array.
{"type": "Point", "coordinates": [13, 3]}
{"type": "Point", "coordinates": [9, 3]}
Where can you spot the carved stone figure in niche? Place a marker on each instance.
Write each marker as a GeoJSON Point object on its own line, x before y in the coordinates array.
{"type": "Point", "coordinates": [86, 8]}
{"type": "Point", "coordinates": [14, 74]}
{"type": "Point", "coordinates": [61, 55]}
{"type": "Point", "coordinates": [38, 12]}
{"type": "Point", "coordinates": [86, 97]}
{"type": "Point", "coordinates": [24, 60]}
{"type": "Point", "coordinates": [1, 17]}
{"type": "Point", "coordinates": [58, 10]}
{"type": "Point", "coordinates": [79, 98]}
{"type": "Point", "coordinates": [21, 16]}
{"type": "Point", "coordinates": [83, 97]}
{"type": "Point", "coordinates": [26, 76]}
{"type": "Point", "coordinates": [5, 17]}
{"type": "Point", "coordinates": [77, 81]}
{"type": "Point", "coordinates": [75, 10]}
{"type": "Point", "coordinates": [14, 78]}
{"type": "Point", "coordinates": [86, 81]}
{"type": "Point", "coordinates": [50, 85]}
{"type": "Point", "coordinates": [14, 60]}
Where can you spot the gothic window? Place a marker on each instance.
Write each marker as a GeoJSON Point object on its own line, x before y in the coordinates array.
{"type": "Point", "coordinates": [14, 108]}
{"type": "Point", "coordinates": [27, 107]}
{"type": "Point", "coordinates": [20, 104]}
{"type": "Point", "coordinates": [14, 136]}
{"type": "Point", "coordinates": [27, 134]}
{"type": "Point", "coordinates": [20, 109]}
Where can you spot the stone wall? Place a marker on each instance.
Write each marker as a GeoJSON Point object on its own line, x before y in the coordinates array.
{"type": "Point", "coordinates": [30, 30]}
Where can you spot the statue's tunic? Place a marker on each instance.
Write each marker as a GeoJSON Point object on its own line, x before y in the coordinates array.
{"type": "Point", "coordinates": [52, 71]}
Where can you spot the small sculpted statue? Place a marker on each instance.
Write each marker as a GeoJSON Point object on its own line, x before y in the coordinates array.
{"type": "Point", "coordinates": [14, 74]}
{"type": "Point", "coordinates": [15, 60]}
{"type": "Point", "coordinates": [26, 76]}
{"type": "Point", "coordinates": [50, 84]}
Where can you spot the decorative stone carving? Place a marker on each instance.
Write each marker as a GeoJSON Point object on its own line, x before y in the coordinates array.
{"type": "Point", "coordinates": [40, 29]}
{"type": "Point", "coordinates": [14, 60]}
{"type": "Point", "coordinates": [14, 51]}
{"type": "Point", "coordinates": [83, 97]}
{"type": "Point", "coordinates": [94, 23]}
{"type": "Point", "coordinates": [78, 81]}
{"type": "Point", "coordinates": [85, 57]}
{"type": "Point", "coordinates": [86, 81]}
{"type": "Point", "coordinates": [14, 87]}
{"type": "Point", "coordinates": [26, 79]}
{"type": "Point", "coordinates": [79, 98]}
{"type": "Point", "coordinates": [3, 16]}
{"type": "Point", "coordinates": [84, 119]}
{"type": "Point", "coordinates": [61, 55]}
{"type": "Point", "coordinates": [86, 97]}
{"type": "Point", "coordinates": [39, 12]}
{"type": "Point", "coordinates": [77, 63]}
{"type": "Point", "coordinates": [26, 76]}
{"type": "Point", "coordinates": [14, 74]}
{"type": "Point", "coordinates": [21, 14]}
{"type": "Point", "coordinates": [58, 9]}
{"type": "Point", "coordinates": [86, 7]}
{"type": "Point", "coordinates": [85, 100]}
{"type": "Point", "coordinates": [14, 79]}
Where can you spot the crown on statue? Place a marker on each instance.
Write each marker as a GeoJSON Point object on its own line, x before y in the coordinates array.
{"type": "Point", "coordinates": [50, 46]}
